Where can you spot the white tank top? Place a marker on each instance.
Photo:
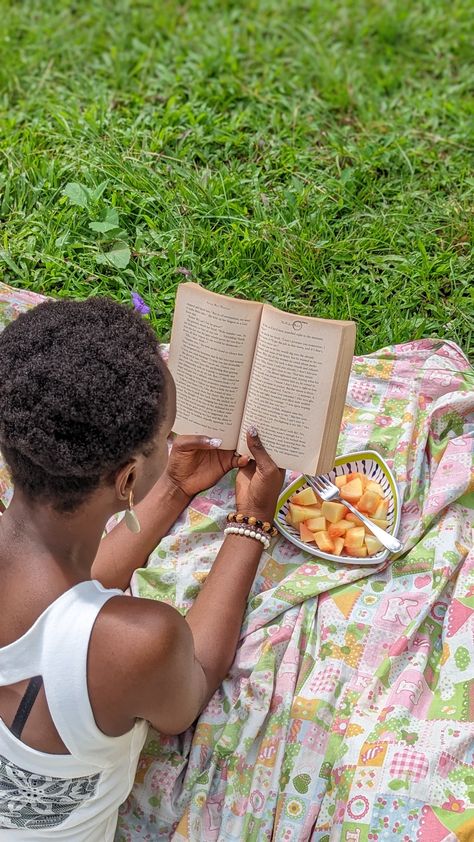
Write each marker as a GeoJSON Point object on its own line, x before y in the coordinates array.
{"type": "Point", "coordinates": [74, 796]}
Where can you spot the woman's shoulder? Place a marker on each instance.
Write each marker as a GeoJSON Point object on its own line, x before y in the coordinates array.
{"type": "Point", "coordinates": [135, 644]}
{"type": "Point", "coordinates": [137, 629]}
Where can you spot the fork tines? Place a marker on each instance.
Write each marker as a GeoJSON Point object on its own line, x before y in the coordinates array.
{"type": "Point", "coordinates": [315, 483]}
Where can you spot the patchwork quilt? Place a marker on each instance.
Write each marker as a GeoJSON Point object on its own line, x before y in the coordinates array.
{"type": "Point", "coordinates": [348, 713]}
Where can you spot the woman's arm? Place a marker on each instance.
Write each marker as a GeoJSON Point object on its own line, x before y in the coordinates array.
{"type": "Point", "coordinates": [167, 667]}
{"type": "Point", "coordinates": [215, 618]}
{"type": "Point", "coordinates": [121, 552]}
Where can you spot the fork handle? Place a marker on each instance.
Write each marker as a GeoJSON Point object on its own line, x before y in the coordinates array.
{"type": "Point", "coordinates": [391, 543]}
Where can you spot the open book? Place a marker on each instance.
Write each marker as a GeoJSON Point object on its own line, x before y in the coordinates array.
{"type": "Point", "coordinates": [237, 363]}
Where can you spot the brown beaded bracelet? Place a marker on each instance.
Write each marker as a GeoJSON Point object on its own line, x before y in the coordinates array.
{"type": "Point", "coordinates": [264, 525]}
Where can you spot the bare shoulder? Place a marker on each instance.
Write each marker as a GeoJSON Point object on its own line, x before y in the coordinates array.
{"type": "Point", "coordinates": [141, 652]}
{"type": "Point", "coordinates": [133, 634]}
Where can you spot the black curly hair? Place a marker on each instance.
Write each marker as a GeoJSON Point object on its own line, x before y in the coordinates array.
{"type": "Point", "coordinates": [82, 389]}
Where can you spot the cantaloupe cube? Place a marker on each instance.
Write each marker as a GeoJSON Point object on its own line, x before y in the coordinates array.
{"type": "Point", "coordinates": [324, 542]}
{"type": "Point", "coordinates": [357, 551]}
{"type": "Point", "coordinates": [357, 475]}
{"type": "Point", "coordinates": [352, 491]}
{"type": "Point", "coordinates": [375, 487]}
{"type": "Point", "coordinates": [301, 513]}
{"type": "Point", "coordinates": [354, 537]}
{"type": "Point", "coordinates": [307, 497]}
{"type": "Point", "coordinates": [381, 510]}
{"type": "Point", "coordinates": [382, 523]}
{"type": "Point", "coordinates": [338, 546]}
{"type": "Point", "coordinates": [368, 502]}
{"type": "Point", "coordinates": [316, 513]}
{"type": "Point", "coordinates": [288, 518]}
{"type": "Point", "coordinates": [333, 511]}
{"type": "Point", "coordinates": [352, 518]}
{"type": "Point", "coordinates": [346, 524]}
{"type": "Point", "coordinates": [339, 529]}
{"type": "Point", "coordinates": [316, 524]}
{"type": "Point", "coordinates": [373, 544]}
{"type": "Point", "coordinates": [340, 480]}
{"type": "Point", "coordinates": [298, 514]}
{"type": "Point", "coordinates": [335, 532]}
{"type": "Point", "coordinates": [305, 534]}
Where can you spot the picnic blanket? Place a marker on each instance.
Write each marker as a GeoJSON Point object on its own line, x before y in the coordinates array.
{"type": "Point", "coordinates": [348, 711]}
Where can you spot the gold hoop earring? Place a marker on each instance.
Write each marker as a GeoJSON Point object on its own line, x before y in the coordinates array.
{"type": "Point", "coordinates": [131, 521]}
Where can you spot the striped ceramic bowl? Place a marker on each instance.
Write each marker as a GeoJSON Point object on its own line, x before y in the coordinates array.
{"type": "Point", "coordinates": [366, 462]}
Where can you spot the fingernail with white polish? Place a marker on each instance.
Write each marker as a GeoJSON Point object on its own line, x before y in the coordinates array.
{"type": "Point", "coordinates": [253, 430]}
{"type": "Point", "coordinates": [215, 442]}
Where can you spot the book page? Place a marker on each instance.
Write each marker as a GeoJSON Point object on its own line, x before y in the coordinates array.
{"type": "Point", "coordinates": [211, 351]}
{"type": "Point", "coordinates": [290, 386]}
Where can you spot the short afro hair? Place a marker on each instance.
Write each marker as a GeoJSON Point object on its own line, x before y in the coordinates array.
{"type": "Point", "coordinates": [82, 390]}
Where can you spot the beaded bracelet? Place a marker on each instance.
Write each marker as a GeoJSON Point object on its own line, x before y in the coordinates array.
{"type": "Point", "coordinates": [264, 525]}
{"type": "Point", "coordinates": [248, 533]}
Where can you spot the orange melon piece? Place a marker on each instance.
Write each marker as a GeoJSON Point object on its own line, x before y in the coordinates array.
{"type": "Point", "coordinates": [316, 515]}
{"type": "Point", "coordinates": [307, 497]}
{"type": "Point", "coordinates": [352, 491]}
{"type": "Point", "coordinates": [333, 511]}
{"type": "Point", "coordinates": [301, 513]}
{"type": "Point", "coordinates": [381, 510]}
{"type": "Point", "coordinates": [316, 524]}
{"type": "Point", "coordinates": [334, 531]}
{"type": "Point", "coordinates": [354, 537]}
{"type": "Point", "coordinates": [341, 480]}
{"type": "Point", "coordinates": [382, 523]}
{"type": "Point", "coordinates": [305, 534]}
{"type": "Point", "coordinates": [375, 487]}
{"type": "Point", "coordinates": [352, 518]}
{"type": "Point", "coordinates": [346, 524]}
{"type": "Point", "coordinates": [324, 542]}
{"type": "Point", "coordinates": [357, 551]}
{"type": "Point", "coordinates": [357, 475]}
{"type": "Point", "coordinates": [373, 544]}
{"type": "Point", "coordinates": [338, 546]}
{"type": "Point", "coordinates": [337, 530]}
{"type": "Point", "coordinates": [368, 502]}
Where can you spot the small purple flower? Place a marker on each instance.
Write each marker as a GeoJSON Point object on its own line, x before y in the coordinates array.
{"type": "Point", "coordinates": [139, 304]}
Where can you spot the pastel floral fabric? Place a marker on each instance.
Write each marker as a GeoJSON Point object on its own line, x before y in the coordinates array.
{"type": "Point", "coordinates": [348, 713]}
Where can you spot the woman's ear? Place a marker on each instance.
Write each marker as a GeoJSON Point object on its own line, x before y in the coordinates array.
{"type": "Point", "coordinates": [125, 481]}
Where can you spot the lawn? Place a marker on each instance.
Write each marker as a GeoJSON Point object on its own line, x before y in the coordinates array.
{"type": "Point", "coordinates": [317, 155]}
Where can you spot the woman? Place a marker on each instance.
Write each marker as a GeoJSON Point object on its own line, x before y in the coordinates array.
{"type": "Point", "coordinates": [86, 406]}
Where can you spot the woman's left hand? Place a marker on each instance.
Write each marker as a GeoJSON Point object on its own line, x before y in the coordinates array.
{"type": "Point", "coordinates": [195, 463]}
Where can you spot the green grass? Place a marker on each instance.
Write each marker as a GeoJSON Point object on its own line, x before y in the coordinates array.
{"type": "Point", "coordinates": [314, 154]}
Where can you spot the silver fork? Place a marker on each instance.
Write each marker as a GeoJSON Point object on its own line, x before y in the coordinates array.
{"type": "Point", "coordinates": [328, 491]}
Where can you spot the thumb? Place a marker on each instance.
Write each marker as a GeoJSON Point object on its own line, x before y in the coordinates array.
{"type": "Point", "coordinates": [242, 461]}
{"type": "Point", "coordinates": [239, 461]}
{"type": "Point", "coordinates": [254, 444]}
{"type": "Point", "coordinates": [185, 443]}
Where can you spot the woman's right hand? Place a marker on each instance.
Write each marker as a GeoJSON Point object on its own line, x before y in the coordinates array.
{"type": "Point", "coordinates": [259, 483]}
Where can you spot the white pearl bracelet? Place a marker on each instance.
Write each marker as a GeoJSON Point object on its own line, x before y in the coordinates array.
{"type": "Point", "coordinates": [249, 533]}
